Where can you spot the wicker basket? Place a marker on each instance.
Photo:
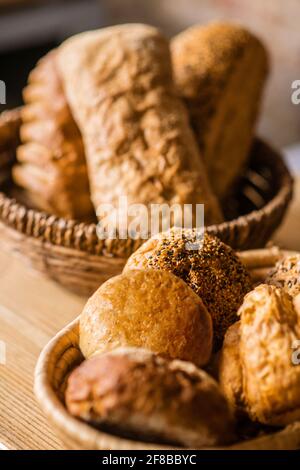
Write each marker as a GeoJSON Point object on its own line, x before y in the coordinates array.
{"type": "Point", "coordinates": [62, 355]}
{"type": "Point", "coordinates": [71, 253]}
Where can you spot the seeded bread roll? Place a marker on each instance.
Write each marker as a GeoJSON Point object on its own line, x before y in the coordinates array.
{"type": "Point", "coordinates": [207, 265]}
{"type": "Point", "coordinates": [138, 394]}
{"type": "Point", "coordinates": [136, 132]}
{"type": "Point", "coordinates": [149, 309]}
{"type": "Point", "coordinates": [52, 165]}
{"type": "Point", "coordinates": [286, 274]}
{"type": "Point", "coordinates": [220, 69]}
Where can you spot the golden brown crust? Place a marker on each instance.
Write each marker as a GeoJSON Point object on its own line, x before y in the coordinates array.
{"type": "Point", "coordinates": [220, 70]}
{"type": "Point", "coordinates": [150, 309]}
{"type": "Point", "coordinates": [230, 369]}
{"type": "Point", "coordinates": [137, 392]}
{"type": "Point", "coordinates": [286, 274]}
{"type": "Point", "coordinates": [138, 140]}
{"type": "Point", "coordinates": [51, 158]}
{"type": "Point", "coordinates": [270, 326]}
{"type": "Point", "coordinates": [212, 270]}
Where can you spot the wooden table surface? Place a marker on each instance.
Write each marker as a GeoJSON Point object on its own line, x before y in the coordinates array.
{"type": "Point", "coordinates": [32, 310]}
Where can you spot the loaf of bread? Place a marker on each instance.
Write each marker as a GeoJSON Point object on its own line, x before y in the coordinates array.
{"type": "Point", "coordinates": [51, 160]}
{"type": "Point", "coordinates": [136, 132]}
{"type": "Point", "coordinates": [207, 265]}
{"type": "Point", "coordinates": [136, 393]}
{"type": "Point", "coordinates": [220, 69]}
{"type": "Point", "coordinates": [150, 309]}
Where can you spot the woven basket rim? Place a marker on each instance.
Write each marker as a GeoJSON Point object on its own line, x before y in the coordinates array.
{"type": "Point", "coordinates": [88, 437]}
{"type": "Point", "coordinates": [69, 233]}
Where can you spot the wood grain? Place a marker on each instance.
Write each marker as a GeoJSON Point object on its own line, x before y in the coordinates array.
{"type": "Point", "coordinates": [32, 310]}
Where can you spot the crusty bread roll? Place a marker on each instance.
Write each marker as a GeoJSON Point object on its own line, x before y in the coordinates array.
{"type": "Point", "coordinates": [138, 394]}
{"type": "Point", "coordinates": [266, 381]}
{"type": "Point", "coordinates": [150, 309]}
{"type": "Point", "coordinates": [137, 137]}
{"type": "Point", "coordinates": [286, 274]}
{"type": "Point", "coordinates": [220, 69]}
{"type": "Point", "coordinates": [210, 268]}
{"type": "Point", "coordinates": [52, 165]}
{"type": "Point", "coordinates": [270, 329]}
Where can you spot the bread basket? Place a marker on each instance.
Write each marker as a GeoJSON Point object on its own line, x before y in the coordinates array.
{"type": "Point", "coordinates": [71, 253]}
{"type": "Point", "coordinates": [62, 354]}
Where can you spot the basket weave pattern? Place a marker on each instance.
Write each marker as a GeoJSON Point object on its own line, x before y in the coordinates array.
{"type": "Point", "coordinates": [62, 355]}
{"type": "Point", "coordinates": [71, 252]}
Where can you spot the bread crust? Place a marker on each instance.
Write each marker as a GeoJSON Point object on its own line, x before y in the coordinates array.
{"type": "Point", "coordinates": [270, 325]}
{"type": "Point", "coordinates": [230, 370]}
{"type": "Point", "coordinates": [150, 309]}
{"type": "Point", "coordinates": [51, 160]}
{"type": "Point", "coordinates": [135, 392]}
{"type": "Point", "coordinates": [286, 274]}
{"type": "Point", "coordinates": [220, 70]}
{"type": "Point", "coordinates": [137, 136]}
{"type": "Point", "coordinates": [257, 374]}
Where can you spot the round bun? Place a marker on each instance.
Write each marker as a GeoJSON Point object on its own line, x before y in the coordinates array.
{"type": "Point", "coordinates": [208, 266]}
{"type": "Point", "coordinates": [150, 309]}
{"type": "Point", "coordinates": [141, 395]}
{"type": "Point", "coordinates": [286, 274]}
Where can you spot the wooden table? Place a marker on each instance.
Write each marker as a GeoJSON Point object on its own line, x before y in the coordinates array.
{"type": "Point", "coordinates": [32, 310]}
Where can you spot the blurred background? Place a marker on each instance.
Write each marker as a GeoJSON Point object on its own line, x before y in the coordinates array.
{"type": "Point", "coordinates": [28, 28]}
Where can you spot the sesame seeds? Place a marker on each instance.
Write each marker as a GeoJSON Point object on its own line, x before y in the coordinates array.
{"type": "Point", "coordinates": [213, 271]}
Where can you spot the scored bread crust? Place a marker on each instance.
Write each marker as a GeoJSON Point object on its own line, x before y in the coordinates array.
{"type": "Point", "coordinates": [256, 370]}
{"type": "Point", "coordinates": [270, 329]}
{"type": "Point", "coordinates": [51, 160]}
{"type": "Point", "coordinates": [151, 309]}
{"type": "Point", "coordinates": [136, 132]}
{"type": "Point", "coordinates": [220, 70]}
{"type": "Point", "coordinates": [135, 392]}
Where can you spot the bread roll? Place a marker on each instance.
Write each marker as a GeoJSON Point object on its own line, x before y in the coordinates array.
{"type": "Point", "coordinates": [137, 137]}
{"type": "Point", "coordinates": [52, 165]}
{"type": "Point", "coordinates": [257, 372]}
{"type": "Point", "coordinates": [208, 266]}
{"type": "Point", "coordinates": [230, 370]}
{"type": "Point", "coordinates": [286, 274]}
{"type": "Point", "coordinates": [138, 394]}
{"type": "Point", "coordinates": [149, 309]}
{"type": "Point", "coordinates": [270, 328]}
{"type": "Point", "coordinates": [220, 69]}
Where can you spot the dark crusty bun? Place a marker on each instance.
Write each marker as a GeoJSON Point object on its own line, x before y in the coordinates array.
{"type": "Point", "coordinates": [136, 393]}
{"type": "Point", "coordinates": [220, 69]}
{"type": "Point", "coordinates": [286, 274]}
{"type": "Point", "coordinates": [151, 309]}
{"type": "Point", "coordinates": [211, 269]}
